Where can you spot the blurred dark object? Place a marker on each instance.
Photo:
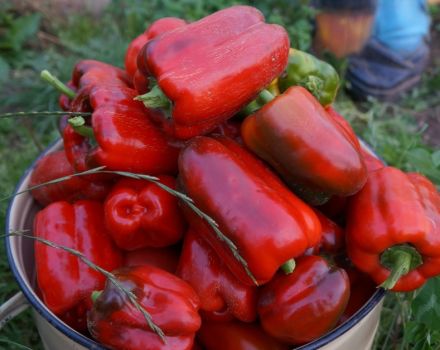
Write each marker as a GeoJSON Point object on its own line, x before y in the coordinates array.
{"type": "Point", "coordinates": [384, 74]}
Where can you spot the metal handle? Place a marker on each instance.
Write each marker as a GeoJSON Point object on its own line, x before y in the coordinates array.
{"type": "Point", "coordinates": [11, 308]}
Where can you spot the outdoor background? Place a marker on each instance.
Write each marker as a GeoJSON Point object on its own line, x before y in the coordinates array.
{"type": "Point", "coordinates": [36, 36]}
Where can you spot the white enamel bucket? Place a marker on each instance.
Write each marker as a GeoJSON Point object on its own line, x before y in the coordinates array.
{"type": "Point", "coordinates": [356, 333]}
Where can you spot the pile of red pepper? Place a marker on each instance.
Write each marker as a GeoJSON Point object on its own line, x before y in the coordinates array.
{"type": "Point", "coordinates": [302, 219]}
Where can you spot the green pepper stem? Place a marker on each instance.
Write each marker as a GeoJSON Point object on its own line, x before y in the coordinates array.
{"type": "Point", "coordinates": [288, 266]}
{"type": "Point", "coordinates": [400, 262]}
{"type": "Point", "coordinates": [266, 96]}
{"type": "Point", "coordinates": [95, 295]}
{"type": "Point", "coordinates": [80, 127]}
{"type": "Point", "coordinates": [57, 84]}
{"type": "Point", "coordinates": [155, 98]}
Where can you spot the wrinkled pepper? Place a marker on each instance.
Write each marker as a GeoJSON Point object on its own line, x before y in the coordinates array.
{"type": "Point", "coordinates": [120, 134]}
{"type": "Point", "coordinates": [171, 302]}
{"type": "Point", "coordinates": [156, 28]}
{"type": "Point", "coordinates": [393, 229]}
{"type": "Point", "coordinates": [268, 224]}
{"type": "Point", "coordinates": [307, 147]}
{"type": "Point", "coordinates": [64, 281]}
{"type": "Point", "coordinates": [165, 258]}
{"type": "Point", "coordinates": [228, 56]}
{"type": "Point", "coordinates": [236, 336]}
{"type": "Point", "coordinates": [55, 165]}
{"type": "Point", "coordinates": [317, 76]}
{"type": "Point", "coordinates": [139, 214]}
{"type": "Point", "coordinates": [306, 304]}
{"type": "Point", "coordinates": [222, 296]}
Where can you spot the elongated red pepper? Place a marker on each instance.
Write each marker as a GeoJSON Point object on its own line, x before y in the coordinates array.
{"type": "Point", "coordinates": [221, 294]}
{"type": "Point", "coordinates": [55, 165]}
{"type": "Point", "coordinates": [236, 336]}
{"type": "Point", "coordinates": [306, 304]}
{"type": "Point", "coordinates": [268, 224]}
{"type": "Point", "coordinates": [66, 283]}
{"type": "Point", "coordinates": [140, 214]}
{"type": "Point", "coordinates": [171, 302]}
{"type": "Point", "coordinates": [125, 137]}
{"type": "Point", "coordinates": [165, 258]}
{"type": "Point", "coordinates": [393, 229]}
{"type": "Point", "coordinates": [156, 28]}
{"type": "Point", "coordinates": [312, 152]}
{"type": "Point", "coordinates": [208, 70]}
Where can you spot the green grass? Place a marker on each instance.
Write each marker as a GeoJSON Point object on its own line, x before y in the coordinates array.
{"type": "Point", "coordinates": [391, 129]}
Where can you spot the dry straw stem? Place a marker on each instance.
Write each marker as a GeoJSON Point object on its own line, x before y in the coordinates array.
{"type": "Point", "coordinates": [187, 200]}
{"type": "Point", "coordinates": [42, 114]}
{"type": "Point", "coordinates": [111, 277]}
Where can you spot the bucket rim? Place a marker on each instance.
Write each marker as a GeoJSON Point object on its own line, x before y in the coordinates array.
{"type": "Point", "coordinates": [38, 305]}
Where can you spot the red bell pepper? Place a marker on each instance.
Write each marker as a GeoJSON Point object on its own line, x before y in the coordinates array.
{"type": "Point", "coordinates": [306, 304]}
{"type": "Point", "coordinates": [140, 214]}
{"type": "Point", "coordinates": [332, 238]}
{"type": "Point", "coordinates": [156, 28]}
{"type": "Point", "coordinates": [165, 258]}
{"type": "Point", "coordinates": [393, 229]}
{"type": "Point", "coordinates": [312, 152]}
{"type": "Point", "coordinates": [268, 224]}
{"type": "Point", "coordinates": [66, 283]}
{"type": "Point", "coordinates": [55, 165]}
{"type": "Point", "coordinates": [208, 70]}
{"type": "Point", "coordinates": [221, 294]}
{"type": "Point", "coordinates": [125, 137]}
{"type": "Point", "coordinates": [236, 336]}
{"type": "Point", "coordinates": [171, 302]}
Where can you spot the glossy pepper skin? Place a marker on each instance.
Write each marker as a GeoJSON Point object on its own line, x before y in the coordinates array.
{"type": "Point", "coordinates": [139, 214]}
{"type": "Point", "coordinates": [236, 335]}
{"type": "Point", "coordinates": [170, 301]}
{"type": "Point", "coordinates": [317, 76]}
{"type": "Point", "coordinates": [55, 165]}
{"type": "Point", "coordinates": [121, 126]}
{"type": "Point", "coordinates": [221, 294]}
{"type": "Point", "coordinates": [64, 281]}
{"type": "Point", "coordinates": [306, 304]}
{"type": "Point", "coordinates": [156, 28]}
{"type": "Point", "coordinates": [229, 57]}
{"type": "Point", "coordinates": [308, 148]}
{"type": "Point", "coordinates": [395, 209]}
{"type": "Point", "coordinates": [250, 204]}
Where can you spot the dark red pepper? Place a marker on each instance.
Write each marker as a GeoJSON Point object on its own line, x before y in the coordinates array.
{"type": "Point", "coordinates": [64, 281]}
{"type": "Point", "coordinates": [55, 165]}
{"type": "Point", "coordinates": [165, 258]}
{"type": "Point", "coordinates": [170, 301]}
{"type": "Point", "coordinates": [236, 336]}
{"type": "Point", "coordinates": [221, 294]}
{"type": "Point", "coordinates": [139, 214]}
{"type": "Point", "coordinates": [332, 238]}
{"type": "Point", "coordinates": [312, 152]}
{"type": "Point", "coordinates": [306, 304]}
